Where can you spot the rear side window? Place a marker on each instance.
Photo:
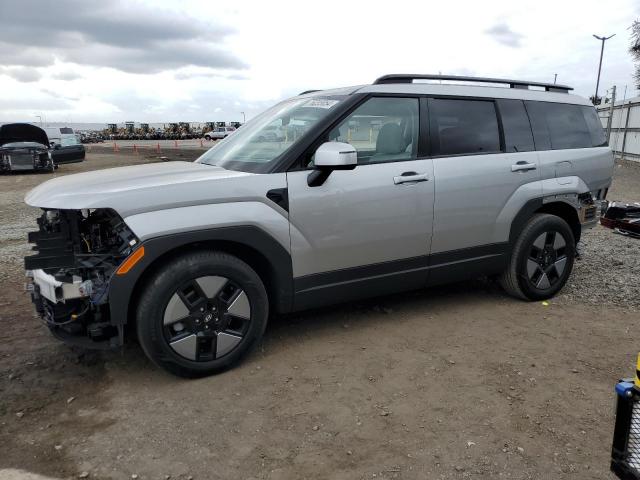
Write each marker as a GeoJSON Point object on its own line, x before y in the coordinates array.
{"type": "Point", "coordinates": [515, 124]}
{"type": "Point", "coordinates": [598, 138]}
{"type": "Point", "coordinates": [558, 126]}
{"type": "Point", "coordinates": [463, 127]}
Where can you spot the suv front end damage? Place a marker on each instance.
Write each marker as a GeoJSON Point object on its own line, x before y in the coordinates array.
{"type": "Point", "coordinates": [78, 253]}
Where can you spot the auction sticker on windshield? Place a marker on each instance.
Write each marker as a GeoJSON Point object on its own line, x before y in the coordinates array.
{"type": "Point", "coordinates": [320, 103]}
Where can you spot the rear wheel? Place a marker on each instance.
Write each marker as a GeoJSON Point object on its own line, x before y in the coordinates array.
{"type": "Point", "coordinates": [201, 313]}
{"type": "Point", "coordinates": [541, 260]}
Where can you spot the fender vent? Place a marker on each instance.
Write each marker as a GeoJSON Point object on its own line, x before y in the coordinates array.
{"type": "Point", "coordinates": [279, 196]}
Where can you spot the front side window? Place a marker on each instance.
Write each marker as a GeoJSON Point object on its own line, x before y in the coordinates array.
{"type": "Point", "coordinates": [266, 137]}
{"type": "Point", "coordinates": [459, 127]}
{"type": "Point", "coordinates": [383, 129]}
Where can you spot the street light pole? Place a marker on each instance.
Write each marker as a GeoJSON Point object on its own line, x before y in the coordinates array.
{"type": "Point", "coordinates": [602, 39]}
{"type": "Point", "coordinates": [243, 118]}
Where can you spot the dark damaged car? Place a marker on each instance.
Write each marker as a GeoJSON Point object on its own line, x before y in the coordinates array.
{"type": "Point", "coordinates": [24, 147]}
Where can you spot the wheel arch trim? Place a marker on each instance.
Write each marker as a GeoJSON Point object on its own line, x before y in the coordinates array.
{"type": "Point", "coordinates": [245, 241]}
{"type": "Point", "coordinates": [551, 205]}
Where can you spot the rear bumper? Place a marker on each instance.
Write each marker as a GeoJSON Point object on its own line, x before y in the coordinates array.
{"type": "Point", "coordinates": [589, 211]}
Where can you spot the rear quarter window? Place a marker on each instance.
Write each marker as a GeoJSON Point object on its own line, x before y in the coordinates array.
{"type": "Point", "coordinates": [558, 126]}
{"type": "Point", "coordinates": [596, 130]}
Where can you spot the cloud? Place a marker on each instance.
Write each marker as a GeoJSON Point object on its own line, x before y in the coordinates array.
{"type": "Point", "coordinates": [502, 33]}
{"type": "Point", "coordinates": [133, 38]}
{"type": "Point", "coordinates": [22, 74]}
{"type": "Point", "coordinates": [33, 104]}
{"type": "Point", "coordinates": [208, 74]}
{"type": "Point", "coordinates": [66, 76]}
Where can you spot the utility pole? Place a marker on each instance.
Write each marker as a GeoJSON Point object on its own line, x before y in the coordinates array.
{"type": "Point", "coordinates": [243, 118]}
{"type": "Point", "coordinates": [602, 39]}
{"type": "Point", "coordinates": [610, 120]}
{"type": "Point", "coordinates": [555, 77]}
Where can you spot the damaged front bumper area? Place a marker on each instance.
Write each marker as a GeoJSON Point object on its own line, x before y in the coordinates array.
{"type": "Point", "coordinates": [78, 253]}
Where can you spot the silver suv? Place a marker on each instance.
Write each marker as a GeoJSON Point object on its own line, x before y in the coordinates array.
{"type": "Point", "coordinates": [373, 189]}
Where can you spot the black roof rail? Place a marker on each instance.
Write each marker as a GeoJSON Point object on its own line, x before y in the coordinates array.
{"type": "Point", "coordinates": [308, 91]}
{"type": "Point", "coordinates": [409, 78]}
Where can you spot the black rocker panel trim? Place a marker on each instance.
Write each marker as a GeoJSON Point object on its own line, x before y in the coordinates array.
{"type": "Point", "coordinates": [396, 276]}
{"type": "Point", "coordinates": [122, 287]}
{"type": "Point", "coordinates": [468, 263]}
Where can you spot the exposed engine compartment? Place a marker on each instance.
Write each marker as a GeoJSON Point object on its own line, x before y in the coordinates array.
{"type": "Point", "coordinates": [78, 253]}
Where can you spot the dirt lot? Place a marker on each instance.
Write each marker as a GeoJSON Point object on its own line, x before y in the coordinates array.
{"type": "Point", "coordinates": [454, 382]}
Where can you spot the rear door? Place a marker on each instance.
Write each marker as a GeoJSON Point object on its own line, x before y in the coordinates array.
{"type": "Point", "coordinates": [365, 231]}
{"type": "Point", "coordinates": [484, 174]}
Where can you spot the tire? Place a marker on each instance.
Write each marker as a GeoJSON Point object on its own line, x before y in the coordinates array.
{"type": "Point", "coordinates": [207, 138]}
{"type": "Point", "coordinates": [217, 318]}
{"type": "Point", "coordinates": [541, 260]}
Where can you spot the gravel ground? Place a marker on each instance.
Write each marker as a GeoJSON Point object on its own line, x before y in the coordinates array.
{"type": "Point", "coordinates": [609, 268]}
{"type": "Point", "coordinates": [455, 382]}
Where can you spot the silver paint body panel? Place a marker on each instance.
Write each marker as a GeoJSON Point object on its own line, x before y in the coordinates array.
{"type": "Point", "coordinates": [360, 217]}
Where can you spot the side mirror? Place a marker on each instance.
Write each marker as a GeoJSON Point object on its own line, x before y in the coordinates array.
{"type": "Point", "coordinates": [331, 156]}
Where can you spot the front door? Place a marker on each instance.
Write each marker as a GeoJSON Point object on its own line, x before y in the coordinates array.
{"type": "Point", "coordinates": [365, 231]}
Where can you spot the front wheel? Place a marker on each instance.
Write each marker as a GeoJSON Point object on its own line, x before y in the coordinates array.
{"type": "Point", "coordinates": [541, 260]}
{"type": "Point", "coordinates": [201, 313]}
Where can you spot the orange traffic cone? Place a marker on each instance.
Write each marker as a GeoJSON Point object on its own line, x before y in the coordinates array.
{"type": "Point", "coordinates": [175, 143]}
{"type": "Point", "coordinates": [201, 143]}
{"type": "Point", "coordinates": [158, 148]}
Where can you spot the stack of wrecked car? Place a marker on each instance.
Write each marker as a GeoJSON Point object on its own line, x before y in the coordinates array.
{"type": "Point", "coordinates": [24, 147]}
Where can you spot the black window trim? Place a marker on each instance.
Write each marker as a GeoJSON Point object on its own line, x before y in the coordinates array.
{"type": "Point", "coordinates": [291, 162]}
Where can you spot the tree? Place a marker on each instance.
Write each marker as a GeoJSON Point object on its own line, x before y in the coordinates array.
{"type": "Point", "coordinates": [634, 49]}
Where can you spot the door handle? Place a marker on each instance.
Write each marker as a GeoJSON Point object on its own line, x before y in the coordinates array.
{"type": "Point", "coordinates": [523, 167]}
{"type": "Point", "coordinates": [410, 177]}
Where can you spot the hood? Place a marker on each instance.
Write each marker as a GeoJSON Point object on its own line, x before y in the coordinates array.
{"type": "Point", "coordinates": [137, 189]}
{"type": "Point", "coordinates": [22, 132]}
{"type": "Point", "coordinates": [23, 146]}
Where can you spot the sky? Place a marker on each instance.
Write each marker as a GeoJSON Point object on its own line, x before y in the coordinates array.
{"type": "Point", "coordinates": [197, 60]}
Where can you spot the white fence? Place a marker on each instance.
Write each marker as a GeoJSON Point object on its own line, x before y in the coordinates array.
{"type": "Point", "coordinates": [625, 127]}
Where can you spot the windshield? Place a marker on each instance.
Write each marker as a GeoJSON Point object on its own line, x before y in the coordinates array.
{"type": "Point", "coordinates": [266, 137]}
